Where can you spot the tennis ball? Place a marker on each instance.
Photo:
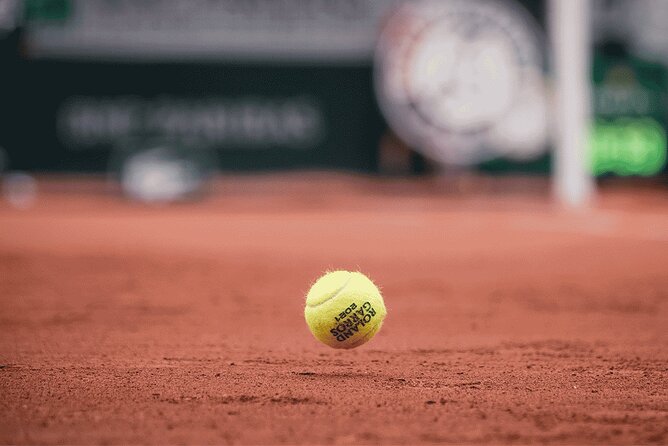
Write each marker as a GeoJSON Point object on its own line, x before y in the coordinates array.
{"type": "Point", "coordinates": [344, 309]}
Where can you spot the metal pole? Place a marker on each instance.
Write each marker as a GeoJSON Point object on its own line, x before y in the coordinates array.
{"type": "Point", "coordinates": [570, 25]}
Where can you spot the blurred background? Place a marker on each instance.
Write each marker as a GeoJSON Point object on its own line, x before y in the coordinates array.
{"type": "Point", "coordinates": [162, 94]}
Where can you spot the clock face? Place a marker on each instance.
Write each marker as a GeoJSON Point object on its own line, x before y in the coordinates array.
{"type": "Point", "coordinates": [449, 72]}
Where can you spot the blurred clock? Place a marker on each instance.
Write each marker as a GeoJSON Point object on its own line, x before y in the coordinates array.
{"type": "Point", "coordinates": [461, 80]}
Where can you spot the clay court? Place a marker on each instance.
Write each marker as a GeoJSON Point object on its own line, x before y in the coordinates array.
{"type": "Point", "coordinates": [510, 320]}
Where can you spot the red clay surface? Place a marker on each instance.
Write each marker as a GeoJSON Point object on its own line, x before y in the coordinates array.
{"type": "Point", "coordinates": [510, 321]}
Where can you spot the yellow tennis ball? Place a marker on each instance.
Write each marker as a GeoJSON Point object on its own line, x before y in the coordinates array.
{"type": "Point", "coordinates": [344, 309]}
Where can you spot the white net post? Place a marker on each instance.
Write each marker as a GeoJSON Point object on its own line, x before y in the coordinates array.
{"type": "Point", "coordinates": [570, 37]}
